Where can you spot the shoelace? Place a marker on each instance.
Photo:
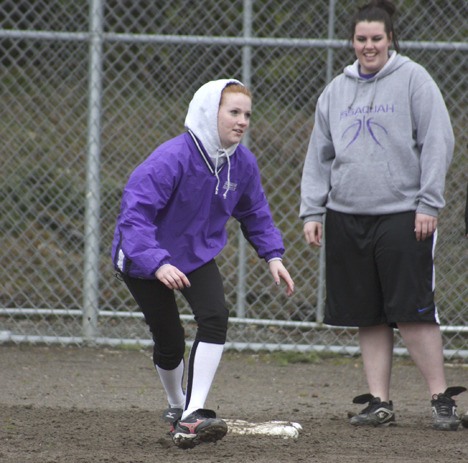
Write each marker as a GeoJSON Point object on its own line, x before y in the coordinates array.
{"type": "Point", "coordinates": [443, 405]}
{"type": "Point", "coordinates": [374, 405]}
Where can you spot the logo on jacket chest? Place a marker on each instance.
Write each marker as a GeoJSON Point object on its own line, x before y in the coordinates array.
{"type": "Point", "coordinates": [231, 186]}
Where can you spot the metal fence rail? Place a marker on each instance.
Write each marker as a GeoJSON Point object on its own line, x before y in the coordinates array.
{"type": "Point", "coordinates": [89, 89]}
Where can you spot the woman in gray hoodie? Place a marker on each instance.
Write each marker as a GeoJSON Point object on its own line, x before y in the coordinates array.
{"type": "Point", "coordinates": [375, 169]}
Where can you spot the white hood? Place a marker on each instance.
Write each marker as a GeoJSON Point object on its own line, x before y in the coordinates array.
{"type": "Point", "coordinates": [202, 118]}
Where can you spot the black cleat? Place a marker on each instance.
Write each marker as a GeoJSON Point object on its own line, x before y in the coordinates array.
{"type": "Point", "coordinates": [444, 409]}
{"type": "Point", "coordinates": [377, 413]}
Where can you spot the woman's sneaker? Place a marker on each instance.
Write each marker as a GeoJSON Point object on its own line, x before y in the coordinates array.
{"type": "Point", "coordinates": [200, 426]}
{"type": "Point", "coordinates": [171, 415]}
{"type": "Point", "coordinates": [377, 413]}
{"type": "Point", "coordinates": [464, 420]}
{"type": "Point", "coordinates": [444, 409]}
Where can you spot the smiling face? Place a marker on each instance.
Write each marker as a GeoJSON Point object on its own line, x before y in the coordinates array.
{"type": "Point", "coordinates": [371, 44]}
{"type": "Point", "coordinates": [233, 118]}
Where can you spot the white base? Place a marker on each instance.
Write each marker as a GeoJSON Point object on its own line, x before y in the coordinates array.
{"type": "Point", "coordinates": [284, 429]}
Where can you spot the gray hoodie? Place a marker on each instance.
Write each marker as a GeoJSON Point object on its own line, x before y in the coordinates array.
{"type": "Point", "coordinates": [379, 146]}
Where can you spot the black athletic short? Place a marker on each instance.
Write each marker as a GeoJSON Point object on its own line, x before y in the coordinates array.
{"type": "Point", "coordinates": [376, 271]}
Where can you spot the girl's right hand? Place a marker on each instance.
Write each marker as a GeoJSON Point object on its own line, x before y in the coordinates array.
{"type": "Point", "coordinates": [172, 277]}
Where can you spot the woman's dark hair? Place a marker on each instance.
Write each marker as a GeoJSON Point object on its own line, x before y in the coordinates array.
{"type": "Point", "coordinates": [379, 11]}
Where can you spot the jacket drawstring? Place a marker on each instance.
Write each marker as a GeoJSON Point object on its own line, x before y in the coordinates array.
{"type": "Point", "coordinates": [228, 186]}
{"type": "Point", "coordinates": [228, 183]}
{"type": "Point", "coordinates": [220, 153]}
{"type": "Point", "coordinates": [216, 174]}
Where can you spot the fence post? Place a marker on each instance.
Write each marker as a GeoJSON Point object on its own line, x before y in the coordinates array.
{"type": "Point", "coordinates": [321, 280]}
{"type": "Point", "coordinates": [246, 78]}
{"type": "Point", "coordinates": [92, 231]}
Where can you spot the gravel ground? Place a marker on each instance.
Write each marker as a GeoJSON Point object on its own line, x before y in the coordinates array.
{"type": "Point", "coordinates": [94, 405]}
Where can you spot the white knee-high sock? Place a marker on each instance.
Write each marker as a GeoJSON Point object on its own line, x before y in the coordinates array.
{"type": "Point", "coordinates": [172, 383]}
{"type": "Point", "coordinates": [204, 361]}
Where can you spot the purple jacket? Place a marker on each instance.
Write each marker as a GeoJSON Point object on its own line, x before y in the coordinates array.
{"type": "Point", "coordinates": [170, 212]}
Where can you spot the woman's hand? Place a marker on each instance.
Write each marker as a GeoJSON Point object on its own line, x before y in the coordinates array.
{"type": "Point", "coordinates": [424, 226]}
{"type": "Point", "coordinates": [313, 233]}
{"type": "Point", "coordinates": [278, 270]}
{"type": "Point", "coordinates": [172, 277]}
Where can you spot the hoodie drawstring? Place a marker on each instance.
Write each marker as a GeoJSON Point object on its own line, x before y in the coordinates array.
{"type": "Point", "coordinates": [374, 90]}
{"type": "Point", "coordinates": [355, 93]}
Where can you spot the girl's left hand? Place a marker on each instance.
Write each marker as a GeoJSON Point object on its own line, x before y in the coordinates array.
{"type": "Point", "coordinates": [278, 270]}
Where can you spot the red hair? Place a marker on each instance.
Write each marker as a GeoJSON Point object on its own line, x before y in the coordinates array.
{"type": "Point", "coordinates": [235, 88]}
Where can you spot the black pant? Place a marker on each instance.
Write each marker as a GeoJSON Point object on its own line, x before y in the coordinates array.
{"type": "Point", "coordinates": [159, 307]}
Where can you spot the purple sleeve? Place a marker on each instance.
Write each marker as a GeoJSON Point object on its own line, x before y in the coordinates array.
{"type": "Point", "coordinates": [254, 215]}
{"type": "Point", "coordinates": [142, 199]}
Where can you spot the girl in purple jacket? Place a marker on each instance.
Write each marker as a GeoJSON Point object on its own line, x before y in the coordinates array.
{"type": "Point", "coordinates": [171, 227]}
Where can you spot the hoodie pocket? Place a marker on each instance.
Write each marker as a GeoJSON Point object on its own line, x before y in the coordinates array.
{"type": "Point", "coordinates": [363, 185]}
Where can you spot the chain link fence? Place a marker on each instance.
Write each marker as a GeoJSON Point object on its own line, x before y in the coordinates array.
{"type": "Point", "coordinates": [90, 88]}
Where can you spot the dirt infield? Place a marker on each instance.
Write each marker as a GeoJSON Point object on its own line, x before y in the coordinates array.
{"type": "Point", "coordinates": [71, 405]}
